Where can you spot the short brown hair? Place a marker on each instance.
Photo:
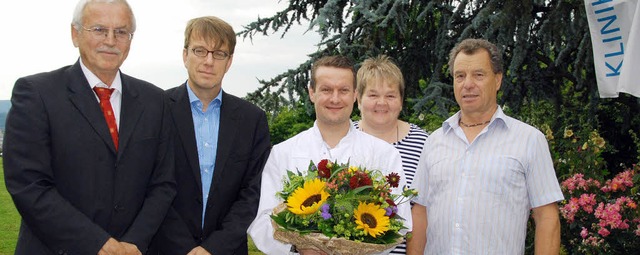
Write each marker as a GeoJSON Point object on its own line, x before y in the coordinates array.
{"type": "Point", "coordinates": [471, 46]}
{"type": "Point", "coordinates": [379, 68]}
{"type": "Point", "coordinates": [211, 28]}
{"type": "Point", "coordinates": [337, 61]}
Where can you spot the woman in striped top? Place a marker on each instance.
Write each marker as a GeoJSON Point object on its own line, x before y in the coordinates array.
{"type": "Point", "coordinates": [380, 93]}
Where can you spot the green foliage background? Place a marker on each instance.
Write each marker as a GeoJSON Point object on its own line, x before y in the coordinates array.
{"type": "Point", "coordinates": [548, 58]}
{"type": "Point", "coordinates": [549, 77]}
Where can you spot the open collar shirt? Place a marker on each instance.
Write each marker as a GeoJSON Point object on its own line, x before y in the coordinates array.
{"type": "Point", "coordinates": [478, 195]}
{"type": "Point", "coordinates": [356, 148]}
{"type": "Point", "coordinates": [206, 126]}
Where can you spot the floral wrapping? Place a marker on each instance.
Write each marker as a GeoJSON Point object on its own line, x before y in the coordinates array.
{"type": "Point", "coordinates": [340, 209]}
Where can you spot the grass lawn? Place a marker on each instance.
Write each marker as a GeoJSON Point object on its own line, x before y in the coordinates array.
{"type": "Point", "coordinates": [9, 219]}
{"type": "Point", "coordinates": [10, 222]}
{"type": "Point", "coordinates": [252, 249]}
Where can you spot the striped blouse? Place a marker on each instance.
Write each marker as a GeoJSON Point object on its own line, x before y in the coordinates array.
{"type": "Point", "coordinates": [410, 148]}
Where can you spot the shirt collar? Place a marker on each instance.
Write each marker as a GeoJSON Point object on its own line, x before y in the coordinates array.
{"type": "Point", "coordinates": [346, 138]}
{"type": "Point", "coordinates": [453, 122]}
{"type": "Point", "coordinates": [194, 99]}
{"type": "Point", "coordinates": [95, 81]}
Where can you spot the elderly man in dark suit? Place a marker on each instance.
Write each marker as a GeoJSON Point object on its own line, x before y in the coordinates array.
{"type": "Point", "coordinates": [90, 172]}
{"type": "Point", "coordinates": [221, 147]}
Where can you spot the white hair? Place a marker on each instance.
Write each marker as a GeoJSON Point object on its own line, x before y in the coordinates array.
{"type": "Point", "coordinates": [79, 12]}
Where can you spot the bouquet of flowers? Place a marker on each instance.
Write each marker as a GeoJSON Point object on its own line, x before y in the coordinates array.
{"type": "Point", "coordinates": [340, 209]}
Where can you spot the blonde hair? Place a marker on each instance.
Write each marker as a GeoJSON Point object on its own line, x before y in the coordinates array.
{"type": "Point", "coordinates": [380, 68]}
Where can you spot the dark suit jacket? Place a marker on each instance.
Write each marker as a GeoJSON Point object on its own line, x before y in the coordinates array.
{"type": "Point", "coordinates": [72, 189]}
{"type": "Point", "coordinates": [243, 148]}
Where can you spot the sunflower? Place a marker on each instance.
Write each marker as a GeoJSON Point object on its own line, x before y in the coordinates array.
{"type": "Point", "coordinates": [371, 218]}
{"type": "Point", "coordinates": [307, 199]}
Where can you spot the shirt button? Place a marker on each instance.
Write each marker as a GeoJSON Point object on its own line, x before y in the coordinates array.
{"type": "Point", "coordinates": [457, 225]}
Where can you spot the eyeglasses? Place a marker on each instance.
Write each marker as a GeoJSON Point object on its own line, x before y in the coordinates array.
{"type": "Point", "coordinates": [101, 33]}
{"type": "Point", "coordinates": [217, 54]}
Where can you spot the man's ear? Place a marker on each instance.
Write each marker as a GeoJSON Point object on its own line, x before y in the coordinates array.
{"type": "Point", "coordinates": [229, 64]}
{"type": "Point", "coordinates": [74, 36]}
{"type": "Point", "coordinates": [499, 81]}
{"type": "Point", "coordinates": [311, 94]}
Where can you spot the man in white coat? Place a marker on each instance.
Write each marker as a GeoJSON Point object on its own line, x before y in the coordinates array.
{"type": "Point", "coordinates": [333, 137]}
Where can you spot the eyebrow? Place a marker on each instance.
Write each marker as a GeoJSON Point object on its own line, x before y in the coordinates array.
{"type": "Point", "coordinates": [482, 70]}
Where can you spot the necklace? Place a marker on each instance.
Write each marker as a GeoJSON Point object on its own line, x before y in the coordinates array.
{"type": "Point", "coordinates": [473, 125]}
{"type": "Point", "coordinates": [397, 132]}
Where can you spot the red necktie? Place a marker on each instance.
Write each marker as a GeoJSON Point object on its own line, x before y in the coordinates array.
{"type": "Point", "coordinates": [105, 95]}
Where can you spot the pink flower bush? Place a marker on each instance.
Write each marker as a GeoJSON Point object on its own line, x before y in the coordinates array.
{"type": "Point", "coordinates": [601, 218]}
{"type": "Point", "coordinates": [600, 214]}
{"type": "Point", "coordinates": [621, 182]}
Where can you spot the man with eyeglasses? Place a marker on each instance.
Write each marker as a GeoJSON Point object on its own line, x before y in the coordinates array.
{"type": "Point", "coordinates": [221, 146]}
{"type": "Point", "coordinates": [88, 160]}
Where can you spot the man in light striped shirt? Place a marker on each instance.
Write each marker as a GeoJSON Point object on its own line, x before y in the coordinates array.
{"type": "Point", "coordinates": [484, 171]}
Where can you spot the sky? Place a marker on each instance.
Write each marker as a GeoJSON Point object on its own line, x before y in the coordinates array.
{"type": "Point", "coordinates": [36, 37]}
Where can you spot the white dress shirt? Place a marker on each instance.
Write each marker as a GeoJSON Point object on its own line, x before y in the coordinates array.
{"type": "Point", "coordinates": [116, 95]}
{"type": "Point", "coordinates": [357, 148]}
{"type": "Point", "coordinates": [478, 196]}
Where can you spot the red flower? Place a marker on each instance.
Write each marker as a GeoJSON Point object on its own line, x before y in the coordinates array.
{"type": "Point", "coordinates": [359, 179]}
{"type": "Point", "coordinates": [393, 179]}
{"type": "Point", "coordinates": [391, 202]}
{"type": "Point", "coordinates": [323, 170]}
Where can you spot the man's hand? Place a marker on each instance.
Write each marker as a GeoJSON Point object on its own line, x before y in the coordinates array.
{"type": "Point", "coordinates": [111, 247]}
{"type": "Point", "coordinates": [130, 249]}
{"type": "Point", "coordinates": [198, 251]}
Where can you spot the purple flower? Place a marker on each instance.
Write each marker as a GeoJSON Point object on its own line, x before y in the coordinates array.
{"type": "Point", "coordinates": [391, 211]}
{"type": "Point", "coordinates": [325, 212]}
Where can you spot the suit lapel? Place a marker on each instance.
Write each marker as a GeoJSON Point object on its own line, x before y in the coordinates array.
{"type": "Point", "coordinates": [84, 99]}
{"type": "Point", "coordinates": [229, 121]}
{"type": "Point", "coordinates": [130, 112]}
{"type": "Point", "coordinates": [181, 111]}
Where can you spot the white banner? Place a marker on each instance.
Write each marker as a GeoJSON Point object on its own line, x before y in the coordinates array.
{"type": "Point", "coordinates": [615, 36]}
